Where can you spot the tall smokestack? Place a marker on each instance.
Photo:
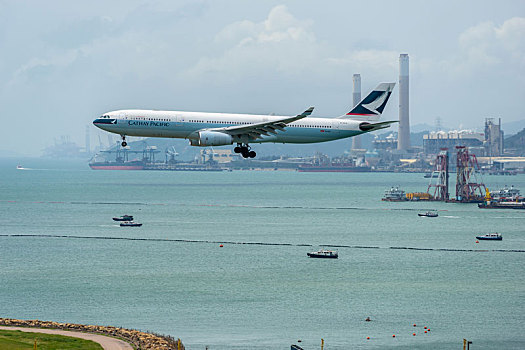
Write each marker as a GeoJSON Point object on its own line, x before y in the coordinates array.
{"type": "Point", "coordinates": [356, 140]}
{"type": "Point", "coordinates": [403, 139]}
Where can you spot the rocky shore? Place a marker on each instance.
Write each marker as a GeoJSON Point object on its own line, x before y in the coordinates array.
{"type": "Point", "coordinates": [140, 340]}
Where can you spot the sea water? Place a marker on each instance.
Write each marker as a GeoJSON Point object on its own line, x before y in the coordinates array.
{"type": "Point", "coordinates": [63, 258]}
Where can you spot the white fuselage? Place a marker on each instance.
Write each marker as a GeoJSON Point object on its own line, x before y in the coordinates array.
{"type": "Point", "coordinates": [186, 125]}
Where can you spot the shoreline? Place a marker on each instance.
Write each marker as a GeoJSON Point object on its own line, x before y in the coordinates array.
{"type": "Point", "coordinates": [136, 339]}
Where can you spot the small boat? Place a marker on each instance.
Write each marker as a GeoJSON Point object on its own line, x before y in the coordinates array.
{"type": "Point", "coordinates": [490, 237]}
{"type": "Point", "coordinates": [430, 214]}
{"type": "Point", "coordinates": [323, 254]}
{"type": "Point", "coordinates": [130, 224]}
{"type": "Point", "coordinates": [124, 218]}
{"type": "Point", "coordinates": [19, 166]}
{"type": "Point", "coordinates": [431, 175]}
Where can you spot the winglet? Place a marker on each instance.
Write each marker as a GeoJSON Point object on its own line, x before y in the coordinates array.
{"type": "Point", "coordinates": [306, 113]}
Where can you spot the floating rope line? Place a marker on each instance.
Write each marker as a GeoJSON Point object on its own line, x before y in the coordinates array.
{"type": "Point", "coordinates": [262, 243]}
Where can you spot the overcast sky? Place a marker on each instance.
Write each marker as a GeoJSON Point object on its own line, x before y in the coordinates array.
{"type": "Point", "coordinates": [63, 63]}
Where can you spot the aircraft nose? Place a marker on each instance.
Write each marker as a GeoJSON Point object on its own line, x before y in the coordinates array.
{"type": "Point", "coordinates": [97, 122]}
{"type": "Point", "coordinates": [100, 122]}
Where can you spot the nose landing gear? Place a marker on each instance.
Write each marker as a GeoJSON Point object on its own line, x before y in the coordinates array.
{"type": "Point", "coordinates": [244, 150]}
{"type": "Point", "coordinates": [124, 143]}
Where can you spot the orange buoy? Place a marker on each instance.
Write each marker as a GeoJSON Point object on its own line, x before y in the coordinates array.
{"type": "Point", "coordinates": [393, 335]}
{"type": "Point", "coordinates": [221, 246]}
{"type": "Point", "coordinates": [425, 331]}
{"type": "Point", "coordinates": [477, 241]}
{"type": "Point", "coordinates": [414, 334]}
{"type": "Point", "coordinates": [414, 324]}
{"type": "Point", "coordinates": [428, 329]}
{"type": "Point", "coordinates": [367, 338]}
{"type": "Point", "coordinates": [425, 327]}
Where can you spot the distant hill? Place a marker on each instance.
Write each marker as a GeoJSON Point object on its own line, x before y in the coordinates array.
{"type": "Point", "coordinates": [516, 142]}
{"type": "Point", "coordinates": [417, 128]}
{"type": "Point", "coordinates": [512, 128]}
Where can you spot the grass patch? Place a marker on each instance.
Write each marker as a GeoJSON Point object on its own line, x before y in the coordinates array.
{"type": "Point", "coordinates": [18, 340]}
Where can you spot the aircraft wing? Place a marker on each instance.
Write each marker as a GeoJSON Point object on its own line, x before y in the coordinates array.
{"type": "Point", "coordinates": [257, 130]}
{"type": "Point", "coordinates": [365, 126]}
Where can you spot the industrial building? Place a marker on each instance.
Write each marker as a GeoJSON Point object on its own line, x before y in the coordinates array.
{"type": "Point", "coordinates": [433, 142]}
{"type": "Point", "coordinates": [489, 143]}
{"type": "Point", "coordinates": [493, 138]}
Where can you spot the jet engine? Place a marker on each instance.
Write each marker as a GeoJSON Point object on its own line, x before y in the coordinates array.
{"type": "Point", "coordinates": [212, 138]}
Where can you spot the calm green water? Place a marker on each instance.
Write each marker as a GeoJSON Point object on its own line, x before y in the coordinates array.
{"type": "Point", "coordinates": [259, 296]}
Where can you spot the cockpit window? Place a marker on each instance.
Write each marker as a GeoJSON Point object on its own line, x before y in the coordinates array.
{"type": "Point", "coordinates": [105, 116]}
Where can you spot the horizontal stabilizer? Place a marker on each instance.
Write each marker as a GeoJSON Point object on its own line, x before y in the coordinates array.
{"type": "Point", "coordinates": [365, 126]}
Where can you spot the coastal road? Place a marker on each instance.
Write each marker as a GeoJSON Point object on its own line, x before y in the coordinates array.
{"type": "Point", "coordinates": [107, 343]}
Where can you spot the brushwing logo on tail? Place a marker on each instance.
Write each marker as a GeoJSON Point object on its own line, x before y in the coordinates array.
{"type": "Point", "coordinates": [374, 103]}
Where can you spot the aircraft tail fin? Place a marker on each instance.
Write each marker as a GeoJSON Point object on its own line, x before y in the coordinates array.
{"type": "Point", "coordinates": [371, 107]}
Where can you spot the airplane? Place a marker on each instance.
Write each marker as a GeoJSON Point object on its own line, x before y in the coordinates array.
{"type": "Point", "coordinates": [221, 129]}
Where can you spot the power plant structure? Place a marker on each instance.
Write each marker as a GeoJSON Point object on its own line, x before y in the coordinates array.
{"type": "Point", "coordinates": [493, 138]}
{"type": "Point", "coordinates": [403, 142]}
{"type": "Point", "coordinates": [356, 140]}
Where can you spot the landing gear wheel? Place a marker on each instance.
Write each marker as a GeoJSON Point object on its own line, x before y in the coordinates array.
{"type": "Point", "coordinates": [245, 150]}
{"type": "Point", "coordinates": [124, 143]}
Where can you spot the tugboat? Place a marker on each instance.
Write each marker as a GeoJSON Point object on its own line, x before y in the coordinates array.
{"type": "Point", "coordinates": [430, 214]}
{"type": "Point", "coordinates": [130, 224]}
{"type": "Point", "coordinates": [124, 218]}
{"type": "Point", "coordinates": [490, 237]}
{"type": "Point", "coordinates": [323, 254]}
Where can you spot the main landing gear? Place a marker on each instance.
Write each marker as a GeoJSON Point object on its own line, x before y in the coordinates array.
{"type": "Point", "coordinates": [124, 143]}
{"type": "Point", "coordinates": [244, 150]}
